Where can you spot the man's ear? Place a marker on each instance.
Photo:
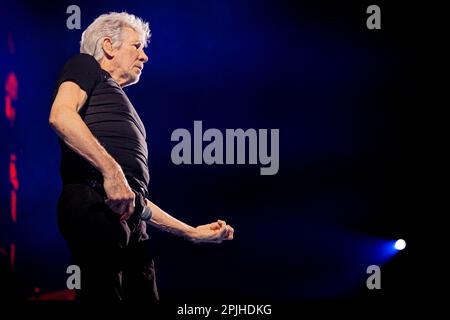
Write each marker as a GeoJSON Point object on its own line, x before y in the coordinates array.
{"type": "Point", "coordinates": [108, 48]}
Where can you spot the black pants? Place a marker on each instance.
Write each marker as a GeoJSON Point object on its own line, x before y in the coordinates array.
{"type": "Point", "coordinates": [115, 263]}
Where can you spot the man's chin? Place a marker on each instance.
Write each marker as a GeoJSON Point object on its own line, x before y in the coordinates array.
{"type": "Point", "coordinates": [133, 80]}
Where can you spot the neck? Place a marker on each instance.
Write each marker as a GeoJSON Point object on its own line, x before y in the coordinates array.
{"type": "Point", "coordinates": [114, 72]}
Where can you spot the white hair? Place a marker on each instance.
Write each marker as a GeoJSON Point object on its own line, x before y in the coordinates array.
{"type": "Point", "coordinates": [110, 25]}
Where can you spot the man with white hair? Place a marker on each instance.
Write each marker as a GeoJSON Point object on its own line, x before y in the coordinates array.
{"type": "Point", "coordinates": [104, 167]}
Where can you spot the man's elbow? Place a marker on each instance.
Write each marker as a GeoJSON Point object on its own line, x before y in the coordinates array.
{"type": "Point", "coordinates": [52, 121]}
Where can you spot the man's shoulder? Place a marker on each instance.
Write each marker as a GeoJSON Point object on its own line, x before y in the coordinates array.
{"type": "Point", "coordinates": [82, 60]}
{"type": "Point", "coordinates": [82, 69]}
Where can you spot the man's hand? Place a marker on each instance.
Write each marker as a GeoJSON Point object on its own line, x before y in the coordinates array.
{"type": "Point", "coordinates": [214, 232]}
{"type": "Point", "coordinates": [120, 197]}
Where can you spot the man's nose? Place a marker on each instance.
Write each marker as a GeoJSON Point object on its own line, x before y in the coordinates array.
{"type": "Point", "coordinates": [143, 57]}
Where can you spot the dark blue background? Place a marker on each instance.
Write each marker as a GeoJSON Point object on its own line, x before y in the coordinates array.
{"type": "Point", "coordinates": [344, 98]}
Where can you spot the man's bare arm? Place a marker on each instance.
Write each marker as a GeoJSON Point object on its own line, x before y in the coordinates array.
{"type": "Point", "coordinates": [69, 126]}
{"type": "Point", "coordinates": [67, 123]}
{"type": "Point", "coordinates": [212, 232]}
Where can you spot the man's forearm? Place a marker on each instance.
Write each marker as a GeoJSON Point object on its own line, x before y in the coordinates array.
{"type": "Point", "coordinates": [73, 131]}
{"type": "Point", "coordinates": [166, 222]}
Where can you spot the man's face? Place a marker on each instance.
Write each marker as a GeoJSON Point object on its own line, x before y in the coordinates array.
{"type": "Point", "coordinates": [130, 57]}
